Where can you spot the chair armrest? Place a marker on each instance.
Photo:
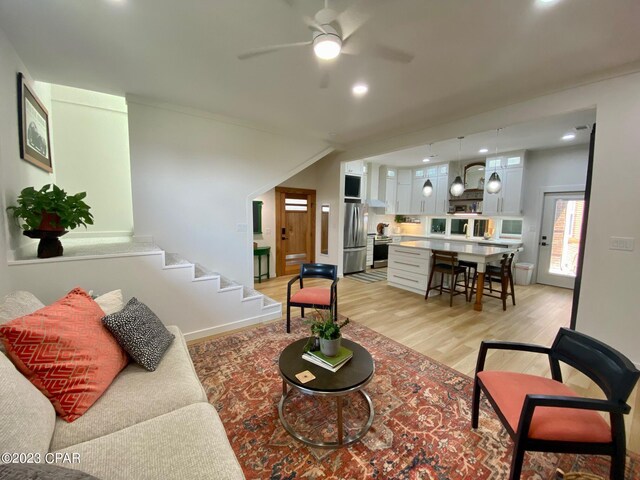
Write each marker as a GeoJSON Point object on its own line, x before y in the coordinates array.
{"type": "Point", "coordinates": [515, 346]}
{"type": "Point", "coordinates": [291, 282]}
{"type": "Point", "coordinates": [531, 402]}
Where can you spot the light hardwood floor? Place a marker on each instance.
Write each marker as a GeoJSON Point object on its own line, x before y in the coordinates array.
{"type": "Point", "coordinates": [452, 335]}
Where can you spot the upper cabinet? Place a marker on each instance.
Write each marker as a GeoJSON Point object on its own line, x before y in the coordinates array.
{"type": "Point", "coordinates": [355, 167]}
{"type": "Point", "coordinates": [387, 191]}
{"type": "Point", "coordinates": [403, 192]}
{"type": "Point", "coordinates": [508, 201]}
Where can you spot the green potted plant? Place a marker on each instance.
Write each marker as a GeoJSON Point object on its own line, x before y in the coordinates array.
{"type": "Point", "coordinates": [327, 330]}
{"type": "Point", "coordinates": [48, 213]}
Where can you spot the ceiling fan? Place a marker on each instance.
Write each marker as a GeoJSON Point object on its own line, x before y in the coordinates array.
{"type": "Point", "coordinates": [330, 33]}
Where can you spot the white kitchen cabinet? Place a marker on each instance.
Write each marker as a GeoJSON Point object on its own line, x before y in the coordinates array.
{"type": "Point", "coordinates": [356, 167]}
{"type": "Point", "coordinates": [442, 195]}
{"type": "Point", "coordinates": [403, 192]}
{"type": "Point", "coordinates": [388, 188]}
{"type": "Point", "coordinates": [508, 201]}
{"type": "Point", "coordinates": [417, 198]}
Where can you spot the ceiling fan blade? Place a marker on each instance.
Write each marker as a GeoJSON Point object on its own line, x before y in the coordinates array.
{"type": "Point", "coordinates": [351, 19]}
{"type": "Point", "coordinates": [391, 54]}
{"type": "Point", "coordinates": [313, 25]}
{"type": "Point", "coordinates": [272, 48]}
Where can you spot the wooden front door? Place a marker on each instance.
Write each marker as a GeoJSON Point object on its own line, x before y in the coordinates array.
{"type": "Point", "coordinates": [295, 229]}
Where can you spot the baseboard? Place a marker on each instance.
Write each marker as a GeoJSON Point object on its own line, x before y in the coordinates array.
{"type": "Point", "coordinates": [143, 238]}
{"type": "Point", "coordinates": [107, 234]}
{"type": "Point", "coordinates": [247, 322]}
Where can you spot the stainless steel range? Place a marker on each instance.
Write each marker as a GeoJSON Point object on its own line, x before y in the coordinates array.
{"type": "Point", "coordinates": [381, 250]}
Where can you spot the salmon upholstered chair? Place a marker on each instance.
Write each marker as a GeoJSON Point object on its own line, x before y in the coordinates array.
{"type": "Point", "coordinates": [542, 414]}
{"type": "Point", "coordinates": [314, 297]}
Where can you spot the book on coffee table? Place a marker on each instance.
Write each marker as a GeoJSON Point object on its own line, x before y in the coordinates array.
{"type": "Point", "coordinates": [330, 363]}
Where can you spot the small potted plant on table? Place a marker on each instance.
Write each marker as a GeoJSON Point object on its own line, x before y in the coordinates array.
{"type": "Point", "coordinates": [328, 331]}
{"type": "Point", "coordinates": [48, 213]}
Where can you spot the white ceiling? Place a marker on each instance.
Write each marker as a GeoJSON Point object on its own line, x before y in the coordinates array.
{"type": "Point", "coordinates": [470, 56]}
{"type": "Point", "coordinates": [536, 135]}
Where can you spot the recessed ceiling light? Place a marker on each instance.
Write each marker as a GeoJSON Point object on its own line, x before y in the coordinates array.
{"type": "Point", "coordinates": [360, 89]}
{"type": "Point", "coordinates": [483, 150]}
{"type": "Point", "coordinates": [569, 136]}
{"type": "Point", "coordinates": [425, 160]}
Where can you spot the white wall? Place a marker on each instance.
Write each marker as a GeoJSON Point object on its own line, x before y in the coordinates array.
{"type": "Point", "coordinates": [556, 169]}
{"type": "Point", "coordinates": [15, 173]}
{"type": "Point", "coordinates": [607, 308]}
{"type": "Point", "coordinates": [91, 135]}
{"type": "Point", "coordinates": [193, 178]}
{"type": "Point", "coordinates": [268, 237]}
{"type": "Point", "coordinates": [324, 178]}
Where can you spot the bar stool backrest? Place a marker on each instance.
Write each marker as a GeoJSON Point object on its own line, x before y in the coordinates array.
{"type": "Point", "coordinates": [440, 257]}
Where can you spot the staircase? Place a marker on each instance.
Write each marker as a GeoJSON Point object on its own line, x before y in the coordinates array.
{"type": "Point", "coordinates": [200, 301]}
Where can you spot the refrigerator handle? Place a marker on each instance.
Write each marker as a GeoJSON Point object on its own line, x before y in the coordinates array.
{"type": "Point", "coordinates": [356, 224]}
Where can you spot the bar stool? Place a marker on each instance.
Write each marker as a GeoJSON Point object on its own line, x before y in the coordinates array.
{"type": "Point", "coordinates": [469, 266]}
{"type": "Point", "coordinates": [446, 263]}
{"type": "Point", "coordinates": [502, 274]}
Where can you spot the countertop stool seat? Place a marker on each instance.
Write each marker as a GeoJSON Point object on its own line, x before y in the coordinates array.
{"type": "Point", "coordinates": [446, 263]}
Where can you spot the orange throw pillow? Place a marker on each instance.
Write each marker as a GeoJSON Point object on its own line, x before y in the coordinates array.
{"type": "Point", "coordinates": [66, 352]}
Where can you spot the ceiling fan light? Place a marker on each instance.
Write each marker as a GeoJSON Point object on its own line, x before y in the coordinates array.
{"type": "Point", "coordinates": [494, 185]}
{"type": "Point", "coordinates": [427, 188]}
{"type": "Point", "coordinates": [327, 46]}
{"type": "Point", "coordinates": [457, 187]}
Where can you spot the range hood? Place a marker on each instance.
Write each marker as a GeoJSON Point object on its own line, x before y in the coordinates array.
{"type": "Point", "coordinates": [375, 203]}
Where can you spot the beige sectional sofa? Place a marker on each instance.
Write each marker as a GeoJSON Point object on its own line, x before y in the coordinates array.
{"type": "Point", "coordinates": [147, 425]}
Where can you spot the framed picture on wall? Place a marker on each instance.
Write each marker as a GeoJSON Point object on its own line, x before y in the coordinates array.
{"type": "Point", "coordinates": [33, 124]}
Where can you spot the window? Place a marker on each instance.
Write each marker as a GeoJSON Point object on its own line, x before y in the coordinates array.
{"type": "Point", "coordinates": [459, 226]}
{"type": "Point", "coordinates": [439, 225]}
{"type": "Point", "coordinates": [511, 227]}
{"type": "Point", "coordinates": [295, 205]}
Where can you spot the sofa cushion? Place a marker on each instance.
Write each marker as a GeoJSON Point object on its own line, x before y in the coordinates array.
{"type": "Point", "coordinates": [111, 302]}
{"type": "Point", "coordinates": [137, 395]}
{"type": "Point", "coordinates": [40, 471]}
{"type": "Point", "coordinates": [66, 352]}
{"type": "Point", "coordinates": [189, 443]}
{"type": "Point", "coordinates": [140, 332]}
{"type": "Point", "coordinates": [17, 304]}
{"type": "Point", "coordinates": [27, 418]}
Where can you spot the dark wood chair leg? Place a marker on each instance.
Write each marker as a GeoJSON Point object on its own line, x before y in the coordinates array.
{"type": "Point", "coordinates": [426, 295]}
{"type": "Point", "coordinates": [441, 282]}
{"type": "Point", "coordinates": [288, 318]}
{"type": "Point", "coordinates": [619, 456]}
{"type": "Point", "coordinates": [302, 312]}
{"type": "Point", "coordinates": [452, 287]}
{"type": "Point", "coordinates": [503, 293]}
{"type": "Point", "coordinates": [516, 461]}
{"type": "Point", "coordinates": [513, 292]}
{"type": "Point", "coordinates": [466, 284]}
{"type": "Point", "coordinates": [473, 285]}
{"type": "Point", "coordinates": [475, 404]}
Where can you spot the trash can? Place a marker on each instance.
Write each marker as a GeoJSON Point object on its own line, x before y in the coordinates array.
{"type": "Point", "coordinates": [524, 272]}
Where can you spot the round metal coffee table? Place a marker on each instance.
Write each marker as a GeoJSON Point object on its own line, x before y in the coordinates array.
{"type": "Point", "coordinates": [352, 377]}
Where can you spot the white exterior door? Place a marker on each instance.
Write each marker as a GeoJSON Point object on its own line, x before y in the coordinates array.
{"type": "Point", "coordinates": [562, 216]}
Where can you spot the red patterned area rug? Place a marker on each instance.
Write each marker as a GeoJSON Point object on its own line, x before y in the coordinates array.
{"type": "Point", "coordinates": [422, 417]}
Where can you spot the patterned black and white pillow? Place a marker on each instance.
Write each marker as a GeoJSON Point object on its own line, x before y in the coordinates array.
{"type": "Point", "coordinates": [140, 332]}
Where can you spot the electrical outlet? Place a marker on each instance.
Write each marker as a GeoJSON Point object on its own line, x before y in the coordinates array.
{"type": "Point", "coordinates": [622, 243]}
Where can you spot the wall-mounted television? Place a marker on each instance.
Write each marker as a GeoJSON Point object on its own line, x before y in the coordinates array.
{"type": "Point", "coordinates": [352, 186]}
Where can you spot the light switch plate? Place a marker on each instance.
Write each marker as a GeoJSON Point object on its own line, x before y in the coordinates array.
{"type": "Point", "coordinates": [622, 243]}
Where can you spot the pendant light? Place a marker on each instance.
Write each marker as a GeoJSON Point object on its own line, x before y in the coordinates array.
{"type": "Point", "coordinates": [427, 188]}
{"type": "Point", "coordinates": [494, 185]}
{"type": "Point", "coordinates": [457, 187]}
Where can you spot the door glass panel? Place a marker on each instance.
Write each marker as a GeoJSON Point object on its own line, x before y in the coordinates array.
{"type": "Point", "coordinates": [565, 242]}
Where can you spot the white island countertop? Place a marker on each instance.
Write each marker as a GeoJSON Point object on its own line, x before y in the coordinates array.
{"type": "Point", "coordinates": [462, 239]}
{"type": "Point", "coordinates": [457, 247]}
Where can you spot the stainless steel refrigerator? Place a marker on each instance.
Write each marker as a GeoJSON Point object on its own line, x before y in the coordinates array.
{"type": "Point", "coordinates": [355, 237]}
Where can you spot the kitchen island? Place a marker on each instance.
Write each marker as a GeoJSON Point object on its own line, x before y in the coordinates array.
{"type": "Point", "coordinates": [410, 263]}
